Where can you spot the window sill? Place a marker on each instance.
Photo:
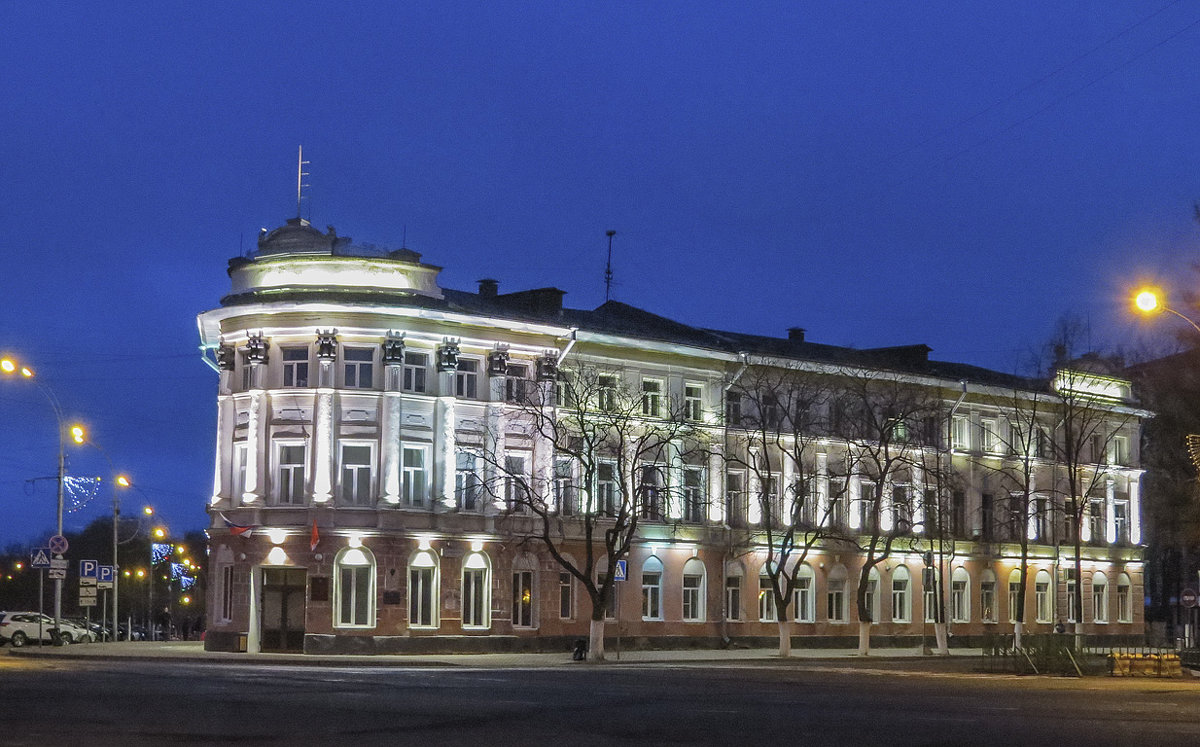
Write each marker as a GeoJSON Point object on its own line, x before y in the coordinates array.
{"type": "Point", "coordinates": [342, 626]}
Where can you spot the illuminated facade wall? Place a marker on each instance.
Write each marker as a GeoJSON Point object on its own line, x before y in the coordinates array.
{"type": "Point", "coordinates": [353, 393]}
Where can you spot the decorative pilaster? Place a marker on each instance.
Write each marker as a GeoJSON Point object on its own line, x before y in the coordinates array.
{"type": "Point", "coordinates": [257, 443]}
{"type": "Point", "coordinates": [717, 499]}
{"type": "Point", "coordinates": [823, 507]}
{"type": "Point", "coordinates": [916, 500]}
{"type": "Point", "coordinates": [324, 430]}
{"type": "Point", "coordinates": [1135, 510]}
{"type": "Point", "coordinates": [673, 509]}
{"type": "Point", "coordinates": [390, 418]}
{"type": "Point", "coordinates": [754, 488]}
{"type": "Point", "coordinates": [1110, 512]}
{"type": "Point", "coordinates": [443, 427]}
{"type": "Point", "coordinates": [223, 463]}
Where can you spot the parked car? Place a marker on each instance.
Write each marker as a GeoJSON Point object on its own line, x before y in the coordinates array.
{"type": "Point", "coordinates": [19, 628]}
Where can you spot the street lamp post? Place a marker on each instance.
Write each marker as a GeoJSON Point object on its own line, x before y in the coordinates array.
{"type": "Point", "coordinates": [10, 367]}
{"type": "Point", "coordinates": [119, 481]}
{"type": "Point", "coordinates": [1150, 301]}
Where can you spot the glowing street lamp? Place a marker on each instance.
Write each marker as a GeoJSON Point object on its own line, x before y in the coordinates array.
{"type": "Point", "coordinates": [1152, 301]}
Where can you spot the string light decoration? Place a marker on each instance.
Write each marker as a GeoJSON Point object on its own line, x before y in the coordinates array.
{"type": "Point", "coordinates": [79, 491]}
{"type": "Point", "coordinates": [1193, 445]}
{"type": "Point", "coordinates": [160, 551]}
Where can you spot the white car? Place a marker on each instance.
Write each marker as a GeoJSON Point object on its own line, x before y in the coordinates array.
{"type": "Point", "coordinates": [19, 628]}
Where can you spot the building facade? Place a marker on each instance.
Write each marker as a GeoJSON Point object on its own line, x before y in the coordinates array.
{"type": "Point", "coordinates": [383, 474]}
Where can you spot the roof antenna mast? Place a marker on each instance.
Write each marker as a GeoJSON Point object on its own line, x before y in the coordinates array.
{"type": "Point", "coordinates": [300, 174]}
{"type": "Point", "coordinates": [608, 267]}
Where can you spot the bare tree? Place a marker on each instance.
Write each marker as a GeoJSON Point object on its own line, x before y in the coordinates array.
{"type": "Point", "coordinates": [599, 451]}
{"type": "Point", "coordinates": [884, 418]}
{"type": "Point", "coordinates": [776, 441]}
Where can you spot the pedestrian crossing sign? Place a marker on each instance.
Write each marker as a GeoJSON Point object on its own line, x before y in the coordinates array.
{"type": "Point", "coordinates": [621, 573]}
{"type": "Point", "coordinates": [40, 558]}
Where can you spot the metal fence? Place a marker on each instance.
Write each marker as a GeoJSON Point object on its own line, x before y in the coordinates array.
{"type": "Point", "coordinates": [1060, 654]}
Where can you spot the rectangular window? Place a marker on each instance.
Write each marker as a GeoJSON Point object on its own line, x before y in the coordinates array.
{"type": "Point", "coordinates": [354, 599]}
{"type": "Point", "coordinates": [466, 378]}
{"type": "Point", "coordinates": [735, 504]}
{"type": "Point", "coordinates": [1071, 596]}
{"type": "Point", "coordinates": [564, 486]}
{"type": "Point", "coordinates": [295, 367]}
{"type": "Point", "coordinates": [960, 433]}
{"type": "Point", "coordinates": [247, 378]}
{"type": "Point", "coordinates": [359, 367]}
{"type": "Point", "coordinates": [693, 402]}
{"type": "Point", "coordinates": [606, 393]}
{"type": "Point", "coordinates": [872, 599]}
{"type": "Point", "coordinates": [516, 383]}
{"type": "Point", "coordinates": [415, 367]}
{"type": "Point", "coordinates": [930, 600]}
{"type": "Point", "coordinates": [987, 601]}
{"type": "Point", "coordinates": [733, 408]}
{"type": "Point", "coordinates": [958, 514]}
{"type": "Point", "coordinates": [989, 435]}
{"type": "Point", "coordinates": [516, 497]}
{"type": "Point", "coordinates": [835, 601]}
{"type": "Point", "coordinates": [1118, 450]}
{"type": "Point", "coordinates": [766, 600]}
{"type": "Point", "coordinates": [804, 600]}
{"type": "Point", "coordinates": [607, 495]}
{"type": "Point", "coordinates": [421, 596]}
{"type": "Point", "coordinates": [959, 602]}
{"type": "Point", "coordinates": [1124, 603]}
{"type": "Point", "coordinates": [1121, 520]}
{"type": "Point", "coordinates": [291, 474]}
{"type": "Point", "coordinates": [1099, 602]}
{"type": "Point", "coordinates": [467, 487]}
{"type": "Point", "coordinates": [651, 596]}
{"type": "Point", "coordinates": [227, 592]}
{"type": "Point", "coordinates": [693, 593]}
{"type": "Point", "coordinates": [693, 494]}
{"type": "Point", "coordinates": [1014, 600]}
{"type": "Point", "coordinates": [566, 605]}
{"type": "Point", "coordinates": [651, 398]}
{"type": "Point", "coordinates": [987, 516]}
{"type": "Point", "coordinates": [356, 474]}
{"type": "Point", "coordinates": [1041, 519]}
{"type": "Point", "coordinates": [900, 600]}
{"type": "Point", "coordinates": [475, 598]}
{"type": "Point", "coordinates": [239, 473]}
{"type": "Point", "coordinates": [1096, 520]}
{"type": "Point", "coordinates": [733, 597]}
{"type": "Point", "coordinates": [415, 486]}
{"type": "Point", "coordinates": [651, 490]}
{"type": "Point", "coordinates": [1041, 594]}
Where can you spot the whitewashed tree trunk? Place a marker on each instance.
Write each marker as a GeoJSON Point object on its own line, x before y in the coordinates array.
{"type": "Point", "coordinates": [942, 637]}
{"type": "Point", "coordinates": [596, 641]}
{"type": "Point", "coordinates": [785, 638]}
{"type": "Point", "coordinates": [864, 638]}
{"type": "Point", "coordinates": [1018, 633]}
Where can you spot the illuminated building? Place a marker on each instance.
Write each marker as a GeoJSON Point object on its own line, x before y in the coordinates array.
{"type": "Point", "coordinates": [363, 411]}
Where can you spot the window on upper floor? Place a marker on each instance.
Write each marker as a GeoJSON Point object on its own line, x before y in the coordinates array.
{"type": "Point", "coordinates": [693, 494]}
{"type": "Point", "coordinates": [466, 378]}
{"type": "Point", "coordinates": [467, 485]}
{"type": "Point", "coordinates": [1118, 450]}
{"type": "Point", "coordinates": [357, 477]}
{"type": "Point", "coordinates": [416, 367]}
{"type": "Point", "coordinates": [960, 432]}
{"type": "Point", "coordinates": [733, 408]}
{"type": "Point", "coordinates": [517, 383]}
{"type": "Point", "coordinates": [295, 366]}
{"type": "Point", "coordinates": [606, 393]}
{"type": "Point", "coordinates": [415, 478]}
{"type": "Point", "coordinates": [359, 367]}
{"type": "Point", "coordinates": [652, 398]}
{"type": "Point", "coordinates": [989, 435]}
{"type": "Point", "coordinates": [693, 402]}
{"type": "Point", "coordinates": [290, 480]}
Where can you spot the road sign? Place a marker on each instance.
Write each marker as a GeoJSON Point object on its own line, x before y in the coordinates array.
{"type": "Point", "coordinates": [1187, 597]}
{"type": "Point", "coordinates": [56, 573]}
{"type": "Point", "coordinates": [58, 564]}
{"type": "Point", "coordinates": [622, 570]}
{"type": "Point", "coordinates": [87, 596]}
{"type": "Point", "coordinates": [106, 576]}
{"type": "Point", "coordinates": [40, 558]}
{"type": "Point", "coordinates": [58, 544]}
{"type": "Point", "coordinates": [88, 569]}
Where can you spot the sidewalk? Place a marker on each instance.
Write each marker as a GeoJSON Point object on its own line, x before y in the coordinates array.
{"type": "Point", "coordinates": [193, 652]}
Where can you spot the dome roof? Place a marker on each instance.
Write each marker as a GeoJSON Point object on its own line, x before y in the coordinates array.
{"type": "Point", "coordinates": [298, 236]}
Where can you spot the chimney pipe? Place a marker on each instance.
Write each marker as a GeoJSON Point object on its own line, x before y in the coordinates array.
{"type": "Point", "coordinates": [796, 334]}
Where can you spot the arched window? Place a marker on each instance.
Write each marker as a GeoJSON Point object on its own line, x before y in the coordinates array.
{"type": "Point", "coordinates": [1015, 602]}
{"type": "Point", "coordinates": [652, 576]}
{"type": "Point", "coordinates": [423, 591]}
{"type": "Point", "coordinates": [960, 595]}
{"type": "Point", "coordinates": [835, 594]}
{"type": "Point", "coordinates": [1043, 599]}
{"type": "Point", "coordinates": [901, 598]}
{"type": "Point", "coordinates": [476, 591]}
{"type": "Point", "coordinates": [987, 596]}
{"type": "Point", "coordinates": [694, 590]}
{"type": "Point", "coordinates": [354, 588]}
{"type": "Point", "coordinates": [524, 602]}
{"type": "Point", "coordinates": [930, 582]}
{"type": "Point", "coordinates": [1124, 598]}
{"type": "Point", "coordinates": [872, 596]}
{"type": "Point", "coordinates": [805, 595]}
{"type": "Point", "coordinates": [733, 590]}
{"type": "Point", "coordinates": [767, 611]}
{"type": "Point", "coordinates": [1099, 597]}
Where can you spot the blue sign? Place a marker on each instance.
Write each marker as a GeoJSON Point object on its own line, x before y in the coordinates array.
{"type": "Point", "coordinates": [40, 558]}
{"type": "Point", "coordinates": [88, 568]}
{"type": "Point", "coordinates": [622, 570]}
{"type": "Point", "coordinates": [106, 574]}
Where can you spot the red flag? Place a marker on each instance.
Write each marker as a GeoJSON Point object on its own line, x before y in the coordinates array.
{"type": "Point", "coordinates": [315, 537]}
{"type": "Point", "coordinates": [238, 530]}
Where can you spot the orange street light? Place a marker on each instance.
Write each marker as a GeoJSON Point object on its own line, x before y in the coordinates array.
{"type": "Point", "coordinates": [1152, 301]}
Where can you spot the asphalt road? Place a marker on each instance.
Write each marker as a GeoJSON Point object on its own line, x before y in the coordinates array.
{"type": "Point", "coordinates": [65, 702]}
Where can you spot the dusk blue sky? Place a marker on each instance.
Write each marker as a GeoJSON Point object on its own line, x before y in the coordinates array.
{"type": "Point", "coordinates": [955, 174]}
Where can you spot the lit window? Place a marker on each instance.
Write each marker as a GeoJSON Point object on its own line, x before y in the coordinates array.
{"type": "Point", "coordinates": [354, 580]}
{"type": "Point", "coordinates": [359, 367]}
{"type": "Point", "coordinates": [987, 597]}
{"type": "Point", "coordinates": [295, 367]}
{"type": "Point", "coordinates": [523, 599]}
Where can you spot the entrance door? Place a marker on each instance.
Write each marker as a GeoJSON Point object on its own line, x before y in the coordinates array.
{"type": "Point", "coordinates": [283, 609]}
